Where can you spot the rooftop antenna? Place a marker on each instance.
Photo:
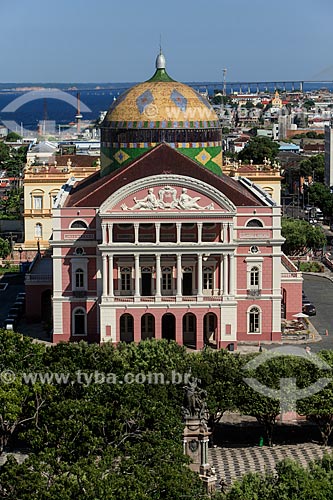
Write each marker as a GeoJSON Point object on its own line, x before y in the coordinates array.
{"type": "Point", "coordinates": [78, 113]}
{"type": "Point", "coordinates": [160, 43]}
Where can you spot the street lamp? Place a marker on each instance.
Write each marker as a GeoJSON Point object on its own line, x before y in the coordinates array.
{"type": "Point", "coordinates": [20, 250]}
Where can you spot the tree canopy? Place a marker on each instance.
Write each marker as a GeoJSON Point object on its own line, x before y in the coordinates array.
{"type": "Point", "coordinates": [258, 148]}
{"type": "Point", "coordinates": [301, 236]}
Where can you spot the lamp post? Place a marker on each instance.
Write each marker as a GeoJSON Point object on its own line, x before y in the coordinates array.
{"type": "Point", "coordinates": [20, 250]}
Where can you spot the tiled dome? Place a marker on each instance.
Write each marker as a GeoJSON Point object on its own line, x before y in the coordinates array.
{"type": "Point", "coordinates": [160, 110]}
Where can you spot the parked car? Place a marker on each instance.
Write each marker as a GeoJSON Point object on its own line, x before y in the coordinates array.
{"type": "Point", "coordinates": [10, 323]}
{"type": "Point", "coordinates": [309, 309]}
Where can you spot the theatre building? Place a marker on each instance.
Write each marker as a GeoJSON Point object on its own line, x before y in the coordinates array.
{"type": "Point", "coordinates": [160, 243]}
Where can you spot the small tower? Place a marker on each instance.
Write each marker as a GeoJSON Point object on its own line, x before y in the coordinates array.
{"type": "Point", "coordinates": [78, 116]}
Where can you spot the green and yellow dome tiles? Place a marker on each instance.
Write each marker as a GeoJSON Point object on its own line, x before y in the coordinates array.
{"type": "Point", "coordinates": [161, 110]}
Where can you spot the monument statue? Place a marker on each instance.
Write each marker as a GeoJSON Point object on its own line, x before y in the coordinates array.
{"type": "Point", "coordinates": [194, 401]}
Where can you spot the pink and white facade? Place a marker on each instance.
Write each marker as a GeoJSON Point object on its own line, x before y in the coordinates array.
{"type": "Point", "coordinates": [163, 248]}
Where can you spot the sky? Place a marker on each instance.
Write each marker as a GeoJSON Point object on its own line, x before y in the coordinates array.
{"type": "Point", "coordinates": [117, 41]}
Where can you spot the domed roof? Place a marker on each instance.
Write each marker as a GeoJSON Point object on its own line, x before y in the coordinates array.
{"type": "Point", "coordinates": [161, 102]}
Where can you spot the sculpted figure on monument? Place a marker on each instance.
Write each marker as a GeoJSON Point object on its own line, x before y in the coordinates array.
{"type": "Point", "coordinates": [194, 400]}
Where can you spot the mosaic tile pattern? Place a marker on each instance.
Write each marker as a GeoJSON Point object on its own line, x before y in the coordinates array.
{"type": "Point", "coordinates": [233, 463]}
{"type": "Point", "coordinates": [162, 102]}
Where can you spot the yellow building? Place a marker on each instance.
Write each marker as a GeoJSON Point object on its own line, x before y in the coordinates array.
{"type": "Point", "coordinates": [42, 183]}
{"type": "Point", "coordinates": [277, 101]}
{"type": "Point", "coordinates": [267, 175]}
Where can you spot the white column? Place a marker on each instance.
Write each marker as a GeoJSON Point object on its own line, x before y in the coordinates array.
{"type": "Point", "coordinates": [158, 275]}
{"type": "Point", "coordinates": [105, 275]}
{"type": "Point", "coordinates": [225, 274]}
{"type": "Point", "coordinates": [179, 232]}
{"type": "Point", "coordinates": [179, 274]}
{"type": "Point", "coordinates": [221, 274]}
{"type": "Point", "coordinates": [231, 232]}
{"type": "Point", "coordinates": [232, 274]}
{"type": "Point", "coordinates": [225, 234]}
{"type": "Point", "coordinates": [221, 233]}
{"type": "Point", "coordinates": [110, 230]}
{"type": "Point", "coordinates": [104, 234]}
{"type": "Point", "coordinates": [199, 226]}
{"type": "Point", "coordinates": [199, 274]}
{"type": "Point", "coordinates": [157, 232]}
{"type": "Point", "coordinates": [111, 275]}
{"type": "Point", "coordinates": [137, 275]}
{"type": "Point", "coordinates": [136, 234]}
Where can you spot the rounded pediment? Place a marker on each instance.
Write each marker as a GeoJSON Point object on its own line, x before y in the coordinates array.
{"type": "Point", "coordinates": [167, 193]}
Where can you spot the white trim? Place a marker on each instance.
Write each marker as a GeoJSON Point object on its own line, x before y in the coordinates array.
{"type": "Point", "coordinates": [253, 217]}
{"type": "Point", "coordinates": [78, 228]}
{"type": "Point", "coordinates": [73, 322]}
{"type": "Point", "coordinates": [171, 180]}
{"type": "Point", "coordinates": [252, 306]}
{"type": "Point", "coordinates": [78, 262]}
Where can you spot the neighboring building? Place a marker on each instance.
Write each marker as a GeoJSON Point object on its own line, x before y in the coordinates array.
{"type": "Point", "coordinates": [329, 156]}
{"type": "Point", "coordinates": [41, 152]}
{"type": "Point", "coordinates": [41, 187]}
{"type": "Point", "coordinates": [267, 176]}
{"type": "Point", "coordinates": [289, 147]}
{"type": "Point", "coordinates": [158, 245]}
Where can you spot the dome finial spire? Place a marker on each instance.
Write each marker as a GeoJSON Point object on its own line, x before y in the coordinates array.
{"type": "Point", "coordinates": [160, 60]}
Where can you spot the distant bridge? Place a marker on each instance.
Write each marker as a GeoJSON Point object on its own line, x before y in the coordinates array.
{"type": "Point", "coordinates": [258, 86]}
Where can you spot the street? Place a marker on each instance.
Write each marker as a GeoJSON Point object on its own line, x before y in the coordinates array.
{"type": "Point", "coordinates": [320, 292]}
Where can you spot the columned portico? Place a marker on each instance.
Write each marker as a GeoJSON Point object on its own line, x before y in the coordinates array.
{"type": "Point", "coordinates": [189, 277]}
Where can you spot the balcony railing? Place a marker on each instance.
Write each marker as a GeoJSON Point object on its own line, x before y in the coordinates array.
{"type": "Point", "coordinates": [254, 292]}
{"type": "Point", "coordinates": [164, 298]}
{"type": "Point", "coordinates": [297, 275]}
{"type": "Point", "coordinates": [79, 293]}
{"type": "Point", "coordinates": [38, 278]}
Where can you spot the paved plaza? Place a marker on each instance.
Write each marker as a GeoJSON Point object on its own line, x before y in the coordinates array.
{"type": "Point", "coordinates": [233, 462]}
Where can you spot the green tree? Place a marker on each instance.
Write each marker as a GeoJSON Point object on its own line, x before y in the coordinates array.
{"type": "Point", "coordinates": [258, 148]}
{"type": "Point", "coordinates": [4, 153]}
{"type": "Point", "coordinates": [320, 196]}
{"type": "Point", "coordinates": [301, 236]}
{"type": "Point", "coordinates": [13, 137]}
{"type": "Point", "coordinates": [308, 104]}
{"type": "Point", "coordinates": [220, 375]}
{"type": "Point", "coordinates": [4, 248]}
{"type": "Point", "coordinates": [318, 408]}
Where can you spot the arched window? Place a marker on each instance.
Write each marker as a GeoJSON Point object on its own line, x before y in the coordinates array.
{"type": "Point", "coordinates": [254, 223]}
{"type": "Point", "coordinates": [79, 322]}
{"type": "Point", "coordinates": [79, 224]}
{"type": "Point", "coordinates": [126, 328]}
{"type": "Point", "coordinates": [38, 230]}
{"type": "Point", "coordinates": [147, 326]}
{"type": "Point", "coordinates": [254, 276]}
{"type": "Point", "coordinates": [254, 320]}
{"type": "Point", "coordinates": [79, 278]}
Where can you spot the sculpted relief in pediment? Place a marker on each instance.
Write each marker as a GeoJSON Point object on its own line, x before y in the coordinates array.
{"type": "Point", "coordinates": [167, 198]}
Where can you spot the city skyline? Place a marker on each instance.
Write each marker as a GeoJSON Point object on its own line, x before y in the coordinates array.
{"type": "Point", "coordinates": [109, 43]}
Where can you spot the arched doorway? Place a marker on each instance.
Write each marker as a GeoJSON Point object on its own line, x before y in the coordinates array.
{"type": "Point", "coordinates": [126, 324]}
{"type": "Point", "coordinates": [168, 327]}
{"type": "Point", "coordinates": [46, 306]}
{"type": "Point", "coordinates": [190, 330]}
{"type": "Point", "coordinates": [210, 329]}
{"type": "Point", "coordinates": [147, 326]}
